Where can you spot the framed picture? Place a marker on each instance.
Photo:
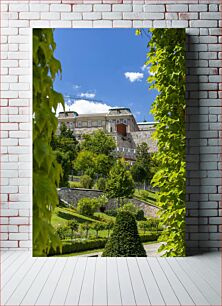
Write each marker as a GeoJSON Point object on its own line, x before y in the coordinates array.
{"type": "Point", "coordinates": [109, 142]}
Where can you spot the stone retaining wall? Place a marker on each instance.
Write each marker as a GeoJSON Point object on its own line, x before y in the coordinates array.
{"type": "Point", "coordinates": [73, 195]}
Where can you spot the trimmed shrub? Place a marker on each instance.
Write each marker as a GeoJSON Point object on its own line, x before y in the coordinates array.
{"type": "Point", "coordinates": [101, 184]}
{"type": "Point", "coordinates": [79, 246]}
{"type": "Point", "coordinates": [140, 215]}
{"type": "Point", "coordinates": [152, 236]}
{"type": "Point", "coordinates": [75, 185]}
{"type": "Point", "coordinates": [125, 240]}
{"type": "Point", "coordinates": [87, 206]}
{"type": "Point", "coordinates": [86, 181]}
{"type": "Point", "coordinates": [111, 212]}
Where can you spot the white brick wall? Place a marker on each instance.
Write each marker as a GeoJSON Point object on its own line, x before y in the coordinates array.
{"type": "Point", "coordinates": [201, 20]}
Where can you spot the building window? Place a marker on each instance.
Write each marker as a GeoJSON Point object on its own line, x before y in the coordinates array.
{"type": "Point", "coordinates": [99, 122]}
{"type": "Point", "coordinates": [84, 124]}
{"type": "Point", "coordinates": [79, 124]}
{"type": "Point", "coordinates": [117, 121]}
{"type": "Point", "coordinates": [89, 123]}
{"type": "Point", "coordinates": [124, 121]}
{"type": "Point", "coordinates": [94, 123]}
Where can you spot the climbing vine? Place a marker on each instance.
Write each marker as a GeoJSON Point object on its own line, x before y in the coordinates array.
{"type": "Point", "coordinates": [166, 58]}
{"type": "Point", "coordinates": [46, 170]}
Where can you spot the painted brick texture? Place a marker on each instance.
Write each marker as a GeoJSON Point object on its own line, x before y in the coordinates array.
{"type": "Point", "coordinates": [201, 18]}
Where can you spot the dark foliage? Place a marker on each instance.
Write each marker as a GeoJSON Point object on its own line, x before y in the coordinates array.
{"type": "Point", "coordinates": [125, 240]}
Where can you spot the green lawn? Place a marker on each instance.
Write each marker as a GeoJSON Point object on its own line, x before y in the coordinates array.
{"type": "Point", "coordinates": [147, 196]}
{"type": "Point", "coordinates": [62, 215]}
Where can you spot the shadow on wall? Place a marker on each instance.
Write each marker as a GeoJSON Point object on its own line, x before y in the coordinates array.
{"type": "Point", "coordinates": [192, 122]}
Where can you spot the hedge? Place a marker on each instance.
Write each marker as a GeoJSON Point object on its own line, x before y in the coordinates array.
{"type": "Point", "coordinates": [86, 245]}
{"type": "Point", "coordinates": [79, 246]}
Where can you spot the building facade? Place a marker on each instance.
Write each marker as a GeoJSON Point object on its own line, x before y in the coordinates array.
{"type": "Point", "coordinates": [119, 122]}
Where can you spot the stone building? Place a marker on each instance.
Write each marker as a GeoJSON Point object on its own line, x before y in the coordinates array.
{"type": "Point", "coordinates": [118, 122]}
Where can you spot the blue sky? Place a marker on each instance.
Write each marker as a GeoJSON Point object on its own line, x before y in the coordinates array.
{"type": "Point", "coordinates": [103, 68]}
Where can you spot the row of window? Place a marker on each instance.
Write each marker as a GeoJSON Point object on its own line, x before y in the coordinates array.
{"type": "Point", "coordinates": [96, 123]}
{"type": "Point", "coordinates": [126, 150]}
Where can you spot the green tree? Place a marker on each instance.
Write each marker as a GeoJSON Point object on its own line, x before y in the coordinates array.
{"type": "Point", "coordinates": [99, 142]}
{"type": "Point", "coordinates": [102, 202]}
{"type": "Point", "coordinates": [98, 227]}
{"type": "Point", "coordinates": [66, 148]}
{"type": "Point", "coordinates": [101, 184]}
{"type": "Point", "coordinates": [86, 181]}
{"type": "Point", "coordinates": [166, 57]}
{"type": "Point", "coordinates": [125, 240]}
{"type": "Point", "coordinates": [46, 169]}
{"type": "Point", "coordinates": [120, 183]}
{"type": "Point", "coordinates": [87, 206]}
{"type": "Point", "coordinates": [85, 227]}
{"type": "Point", "coordinates": [85, 162]}
{"type": "Point", "coordinates": [109, 227]}
{"type": "Point", "coordinates": [73, 225]}
{"type": "Point", "coordinates": [103, 164]}
{"type": "Point", "coordinates": [141, 170]}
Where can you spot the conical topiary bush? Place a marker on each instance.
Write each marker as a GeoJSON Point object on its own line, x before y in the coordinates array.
{"type": "Point", "coordinates": [125, 240]}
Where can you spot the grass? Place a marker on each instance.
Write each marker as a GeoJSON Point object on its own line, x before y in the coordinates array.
{"type": "Point", "coordinates": [62, 215]}
{"type": "Point", "coordinates": [103, 217]}
{"type": "Point", "coordinates": [147, 196]}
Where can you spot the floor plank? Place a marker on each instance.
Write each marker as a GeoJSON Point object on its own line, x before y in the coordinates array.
{"type": "Point", "coordinates": [208, 292]}
{"type": "Point", "coordinates": [5, 255]}
{"type": "Point", "coordinates": [188, 283]}
{"type": "Point", "coordinates": [13, 268]}
{"type": "Point", "coordinates": [20, 291]}
{"type": "Point", "coordinates": [110, 281]}
{"type": "Point", "coordinates": [86, 294]}
{"type": "Point", "coordinates": [11, 261]}
{"type": "Point", "coordinates": [100, 282]}
{"type": "Point", "coordinates": [16, 280]}
{"type": "Point", "coordinates": [113, 285]}
{"type": "Point", "coordinates": [213, 279]}
{"type": "Point", "coordinates": [61, 290]}
{"type": "Point", "coordinates": [38, 284]}
{"type": "Point", "coordinates": [139, 289]}
{"type": "Point", "coordinates": [181, 293]}
{"type": "Point", "coordinates": [151, 285]}
{"type": "Point", "coordinates": [211, 260]}
{"type": "Point", "coordinates": [47, 291]}
{"type": "Point", "coordinates": [126, 289]}
{"type": "Point", "coordinates": [165, 287]}
{"type": "Point", "coordinates": [73, 293]}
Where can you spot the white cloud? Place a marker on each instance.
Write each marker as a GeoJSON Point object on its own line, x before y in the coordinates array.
{"type": "Point", "coordinates": [85, 107]}
{"type": "Point", "coordinates": [87, 95]}
{"type": "Point", "coordinates": [134, 76]}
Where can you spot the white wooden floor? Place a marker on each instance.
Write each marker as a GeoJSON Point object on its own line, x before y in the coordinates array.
{"type": "Point", "coordinates": [110, 281]}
